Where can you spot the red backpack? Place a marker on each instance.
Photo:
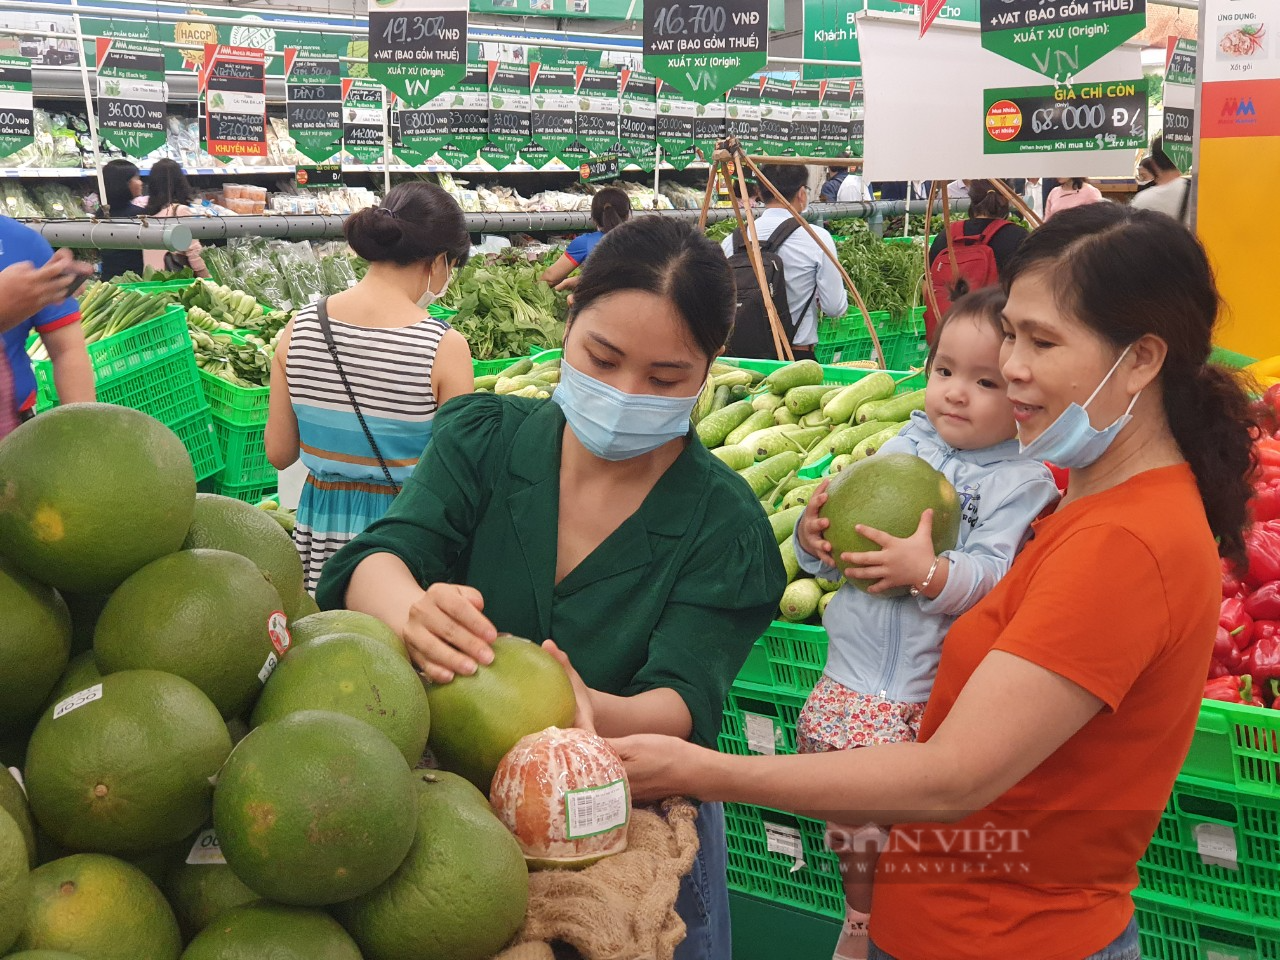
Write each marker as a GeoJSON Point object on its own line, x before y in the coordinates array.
{"type": "Point", "coordinates": [975, 268]}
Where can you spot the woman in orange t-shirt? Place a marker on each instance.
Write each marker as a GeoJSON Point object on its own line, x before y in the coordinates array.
{"type": "Point", "coordinates": [1066, 699]}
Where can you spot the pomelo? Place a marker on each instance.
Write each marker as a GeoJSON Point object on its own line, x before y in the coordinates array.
{"type": "Point", "coordinates": [261, 930]}
{"type": "Point", "coordinates": [92, 492]}
{"type": "Point", "coordinates": [204, 615]}
{"type": "Point", "coordinates": [357, 676]}
{"type": "Point", "coordinates": [98, 908]}
{"type": "Point", "coordinates": [889, 492]}
{"type": "Point", "coordinates": [460, 894]}
{"type": "Point", "coordinates": [127, 770]}
{"type": "Point", "coordinates": [82, 671]}
{"type": "Point", "coordinates": [224, 523]}
{"type": "Point", "coordinates": [307, 605]}
{"type": "Point", "coordinates": [314, 808]}
{"type": "Point", "coordinates": [15, 881]}
{"type": "Point", "coordinates": [199, 892]}
{"type": "Point", "coordinates": [35, 643]}
{"type": "Point", "coordinates": [42, 955]}
{"type": "Point", "coordinates": [13, 801]}
{"type": "Point", "coordinates": [328, 622]}
{"type": "Point", "coordinates": [476, 720]}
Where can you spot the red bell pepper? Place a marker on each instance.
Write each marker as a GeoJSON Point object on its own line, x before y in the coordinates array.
{"type": "Point", "coordinates": [1263, 603]}
{"type": "Point", "coordinates": [1265, 503]}
{"type": "Point", "coordinates": [1262, 546]}
{"type": "Point", "coordinates": [1232, 690]}
{"type": "Point", "coordinates": [1239, 624]}
{"type": "Point", "coordinates": [1231, 585]}
{"type": "Point", "coordinates": [1266, 659]}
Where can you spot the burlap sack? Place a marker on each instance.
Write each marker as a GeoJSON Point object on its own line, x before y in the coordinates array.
{"type": "Point", "coordinates": [622, 908]}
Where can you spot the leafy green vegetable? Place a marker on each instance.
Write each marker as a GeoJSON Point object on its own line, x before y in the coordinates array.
{"type": "Point", "coordinates": [504, 310]}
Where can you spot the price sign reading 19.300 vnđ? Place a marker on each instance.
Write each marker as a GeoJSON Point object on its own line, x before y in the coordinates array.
{"type": "Point", "coordinates": [704, 49]}
{"type": "Point", "coordinates": [1088, 116]}
{"type": "Point", "coordinates": [418, 48]}
{"type": "Point", "coordinates": [1059, 38]}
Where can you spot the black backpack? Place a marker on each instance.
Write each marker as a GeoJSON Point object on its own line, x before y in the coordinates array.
{"type": "Point", "coordinates": [752, 336]}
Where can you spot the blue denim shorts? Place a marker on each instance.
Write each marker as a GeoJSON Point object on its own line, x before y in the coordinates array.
{"type": "Point", "coordinates": [1123, 947]}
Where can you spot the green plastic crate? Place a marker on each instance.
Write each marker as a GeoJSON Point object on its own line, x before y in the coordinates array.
{"type": "Point", "coordinates": [244, 452]}
{"type": "Point", "coordinates": [1229, 358]}
{"type": "Point", "coordinates": [197, 435]}
{"type": "Point", "coordinates": [784, 859]}
{"type": "Point", "coordinates": [756, 667]}
{"type": "Point", "coordinates": [832, 374]}
{"type": "Point", "coordinates": [237, 406]}
{"type": "Point", "coordinates": [484, 368]}
{"type": "Point", "coordinates": [1169, 930]}
{"type": "Point", "coordinates": [1217, 848]}
{"type": "Point", "coordinates": [158, 286]}
{"type": "Point", "coordinates": [845, 339]}
{"type": "Point", "coordinates": [797, 654]}
{"type": "Point", "coordinates": [249, 493]}
{"type": "Point", "coordinates": [760, 719]}
{"type": "Point", "coordinates": [763, 930]}
{"type": "Point", "coordinates": [1236, 747]}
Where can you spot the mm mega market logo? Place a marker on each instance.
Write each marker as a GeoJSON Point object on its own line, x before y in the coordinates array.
{"type": "Point", "coordinates": [1238, 110]}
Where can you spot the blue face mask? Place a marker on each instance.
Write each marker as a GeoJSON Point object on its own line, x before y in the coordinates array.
{"type": "Point", "coordinates": [1071, 441]}
{"type": "Point", "coordinates": [618, 426]}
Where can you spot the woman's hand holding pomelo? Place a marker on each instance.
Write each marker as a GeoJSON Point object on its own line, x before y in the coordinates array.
{"type": "Point", "coordinates": [448, 633]}
{"type": "Point", "coordinates": [584, 717]}
{"type": "Point", "coordinates": [900, 562]}
{"type": "Point", "coordinates": [811, 529]}
{"type": "Point", "coordinates": [657, 766]}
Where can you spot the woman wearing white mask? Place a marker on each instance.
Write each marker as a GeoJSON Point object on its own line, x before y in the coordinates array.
{"type": "Point", "coordinates": [357, 377]}
{"type": "Point", "coordinates": [598, 520]}
{"type": "Point", "coordinates": [1066, 699]}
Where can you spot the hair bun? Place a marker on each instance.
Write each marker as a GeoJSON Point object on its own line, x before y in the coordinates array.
{"type": "Point", "coordinates": [374, 232]}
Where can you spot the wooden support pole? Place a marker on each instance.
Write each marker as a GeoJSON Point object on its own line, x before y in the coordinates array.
{"type": "Point", "coordinates": [1018, 203]}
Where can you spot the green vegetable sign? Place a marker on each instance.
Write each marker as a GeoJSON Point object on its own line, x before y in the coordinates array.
{"type": "Point", "coordinates": [131, 95]}
{"type": "Point", "coordinates": [313, 104]}
{"type": "Point", "coordinates": [363, 119]}
{"type": "Point", "coordinates": [1088, 116]}
{"type": "Point", "coordinates": [1179, 103]}
{"type": "Point", "coordinates": [675, 126]}
{"type": "Point", "coordinates": [704, 49]}
{"type": "Point", "coordinates": [417, 134]}
{"type": "Point", "coordinates": [17, 117]}
{"type": "Point", "coordinates": [509, 122]}
{"type": "Point", "coordinates": [637, 123]}
{"type": "Point", "coordinates": [553, 107]}
{"type": "Point", "coordinates": [417, 48]}
{"type": "Point", "coordinates": [468, 117]}
{"type": "Point", "coordinates": [1059, 38]}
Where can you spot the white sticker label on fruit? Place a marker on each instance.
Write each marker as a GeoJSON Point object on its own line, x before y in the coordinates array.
{"type": "Point", "coordinates": [762, 734]}
{"type": "Point", "coordinates": [785, 841]}
{"type": "Point", "coordinates": [17, 775]}
{"type": "Point", "coordinates": [278, 631]}
{"type": "Point", "coordinates": [1216, 844]}
{"type": "Point", "coordinates": [205, 850]}
{"type": "Point", "coordinates": [594, 810]}
{"type": "Point", "coordinates": [77, 700]}
{"type": "Point", "coordinates": [268, 668]}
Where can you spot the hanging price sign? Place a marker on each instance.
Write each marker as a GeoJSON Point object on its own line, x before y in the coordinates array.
{"type": "Point", "coordinates": [324, 176]}
{"type": "Point", "coordinates": [806, 117]}
{"type": "Point", "coordinates": [426, 129]}
{"type": "Point", "coordinates": [837, 113]}
{"type": "Point", "coordinates": [675, 125]}
{"type": "Point", "coordinates": [313, 104]}
{"type": "Point", "coordinates": [604, 167]}
{"type": "Point", "coordinates": [363, 119]}
{"type": "Point", "coordinates": [17, 112]}
{"type": "Point", "coordinates": [1059, 38]}
{"type": "Point", "coordinates": [775, 116]}
{"type": "Point", "coordinates": [1179, 120]}
{"type": "Point", "coordinates": [742, 115]}
{"type": "Point", "coordinates": [509, 121]}
{"type": "Point", "coordinates": [1089, 116]}
{"type": "Point", "coordinates": [553, 106]}
{"type": "Point", "coordinates": [637, 123]}
{"type": "Point", "coordinates": [704, 49]}
{"type": "Point", "coordinates": [131, 95]}
{"type": "Point", "coordinates": [233, 82]}
{"type": "Point", "coordinates": [468, 117]}
{"type": "Point", "coordinates": [418, 48]}
{"type": "Point", "coordinates": [597, 119]}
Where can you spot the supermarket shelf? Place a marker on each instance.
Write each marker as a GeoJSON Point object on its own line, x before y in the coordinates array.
{"type": "Point", "coordinates": [244, 170]}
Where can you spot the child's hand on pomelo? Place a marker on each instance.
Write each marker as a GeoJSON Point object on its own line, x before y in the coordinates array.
{"type": "Point", "coordinates": [811, 530]}
{"type": "Point", "coordinates": [584, 717]}
{"type": "Point", "coordinates": [448, 633]}
{"type": "Point", "coordinates": [900, 562]}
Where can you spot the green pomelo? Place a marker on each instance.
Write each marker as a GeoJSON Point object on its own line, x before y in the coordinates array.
{"type": "Point", "coordinates": [199, 892]}
{"type": "Point", "coordinates": [200, 614]}
{"type": "Point", "coordinates": [889, 492]}
{"type": "Point", "coordinates": [476, 720]}
{"type": "Point", "coordinates": [127, 772]}
{"type": "Point", "coordinates": [460, 894]}
{"type": "Point", "coordinates": [15, 880]}
{"type": "Point", "coordinates": [353, 675]}
{"type": "Point", "coordinates": [92, 492]}
{"type": "Point", "coordinates": [98, 908]}
{"type": "Point", "coordinates": [270, 930]}
{"type": "Point", "coordinates": [307, 606]}
{"type": "Point", "coordinates": [82, 671]}
{"type": "Point", "coordinates": [13, 801]}
{"type": "Point", "coordinates": [328, 622]}
{"type": "Point", "coordinates": [223, 523]}
{"type": "Point", "coordinates": [35, 643]}
{"type": "Point", "coordinates": [314, 808]}
{"type": "Point", "coordinates": [42, 955]}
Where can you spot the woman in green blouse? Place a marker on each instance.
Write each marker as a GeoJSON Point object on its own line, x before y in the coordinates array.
{"type": "Point", "coordinates": [660, 570]}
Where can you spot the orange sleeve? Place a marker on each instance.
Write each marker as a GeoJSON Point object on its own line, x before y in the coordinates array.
{"type": "Point", "coordinates": [1095, 612]}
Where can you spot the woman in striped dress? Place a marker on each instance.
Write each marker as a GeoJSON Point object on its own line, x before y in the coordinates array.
{"type": "Point", "coordinates": [357, 405]}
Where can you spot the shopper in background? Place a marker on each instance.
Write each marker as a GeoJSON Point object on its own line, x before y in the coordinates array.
{"type": "Point", "coordinates": [597, 519]}
{"type": "Point", "coordinates": [1065, 701]}
{"type": "Point", "coordinates": [883, 651]}
{"type": "Point", "coordinates": [1170, 193]}
{"type": "Point", "coordinates": [831, 188]}
{"type": "Point", "coordinates": [357, 377]}
{"type": "Point", "coordinates": [853, 189]}
{"type": "Point", "coordinates": [169, 195]}
{"type": "Point", "coordinates": [123, 186]}
{"type": "Point", "coordinates": [610, 207]}
{"type": "Point", "coordinates": [812, 279]}
{"type": "Point", "coordinates": [1069, 193]}
{"type": "Point", "coordinates": [35, 294]}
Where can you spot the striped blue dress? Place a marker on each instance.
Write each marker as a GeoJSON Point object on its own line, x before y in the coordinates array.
{"type": "Point", "coordinates": [390, 373]}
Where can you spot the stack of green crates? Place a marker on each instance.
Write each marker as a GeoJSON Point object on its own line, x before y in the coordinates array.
{"type": "Point", "coordinates": [845, 339]}
{"type": "Point", "coordinates": [151, 368]}
{"type": "Point", "coordinates": [240, 421]}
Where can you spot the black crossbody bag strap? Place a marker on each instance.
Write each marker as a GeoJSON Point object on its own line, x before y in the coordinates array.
{"type": "Point", "coordinates": [322, 315]}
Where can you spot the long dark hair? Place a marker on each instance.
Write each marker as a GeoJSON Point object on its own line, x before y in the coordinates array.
{"type": "Point", "coordinates": [986, 202]}
{"type": "Point", "coordinates": [669, 258]}
{"type": "Point", "coordinates": [1125, 273]}
{"type": "Point", "coordinates": [116, 175]}
{"type": "Point", "coordinates": [166, 185]}
{"type": "Point", "coordinates": [415, 223]}
{"type": "Point", "coordinates": [610, 207]}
